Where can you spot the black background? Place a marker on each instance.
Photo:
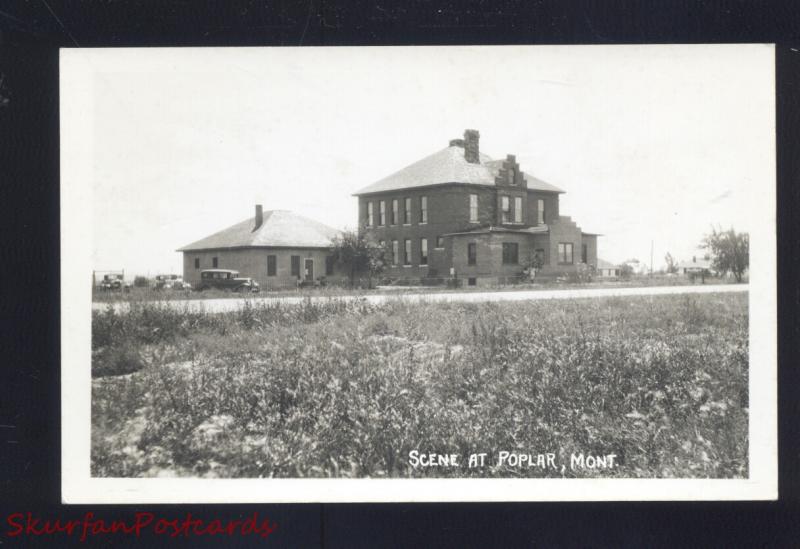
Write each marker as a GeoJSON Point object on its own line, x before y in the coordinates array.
{"type": "Point", "coordinates": [31, 33]}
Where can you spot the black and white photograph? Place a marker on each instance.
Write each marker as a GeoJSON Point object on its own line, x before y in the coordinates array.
{"type": "Point", "coordinates": [473, 273]}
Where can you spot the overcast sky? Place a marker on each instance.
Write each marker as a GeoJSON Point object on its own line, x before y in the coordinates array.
{"type": "Point", "coordinates": [650, 142]}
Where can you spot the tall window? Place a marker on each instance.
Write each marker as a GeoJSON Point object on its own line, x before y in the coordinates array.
{"type": "Point", "coordinates": [382, 213]}
{"type": "Point", "coordinates": [423, 209]}
{"type": "Point", "coordinates": [440, 242]}
{"type": "Point", "coordinates": [328, 265]}
{"type": "Point", "coordinates": [505, 208]}
{"type": "Point", "coordinates": [565, 252]}
{"type": "Point", "coordinates": [395, 207]}
{"type": "Point", "coordinates": [272, 265]}
{"type": "Point", "coordinates": [473, 208]}
{"type": "Point", "coordinates": [540, 212]}
{"type": "Point", "coordinates": [196, 262]}
{"type": "Point", "coordinates": [407, 212]}
{"type": "Point", "coordinates": [517, 209]}
{"type": "Point", "coordinates": [584, 253]}
{"type": "Point", "coordinates": [472, 253]}
{"type": "Point", "coordinates": [407, 252]}
{"type": "Point", "coordinates": [423, 251]}
{"type": "Point", "coordinates": [395, 252]}
{"type": "Point", "coordinates": [214, 262]}
{"type": "Point", "coordinates": [295, 265]}
{"type": "Point", "coordinates": [370, 214]}
{"type": "Point", "coordinates": [510, 253]}
{"type": "Point", "coordinates": [510, 176]}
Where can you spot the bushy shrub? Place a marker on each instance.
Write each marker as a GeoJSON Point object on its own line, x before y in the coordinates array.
{"type": "Point", "coordinates": [141, 282]}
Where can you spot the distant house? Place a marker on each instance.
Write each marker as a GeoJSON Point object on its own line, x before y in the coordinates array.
{"type": "Point", "coordinates": [637, 267]}
{"type": "Point", "coordinates": [459, 212]}
{"type": "Point", "coordinates": [606, 269]}
{"type": "Point", "coordinates": [696, 266]}
{"type": "Point", "coordinates": [277, 248]}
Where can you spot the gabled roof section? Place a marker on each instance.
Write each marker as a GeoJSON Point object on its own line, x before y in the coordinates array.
{"type": "Point", "coordinates": [449, 166]}
{"type": "Point", "coordinates": [280, 228]}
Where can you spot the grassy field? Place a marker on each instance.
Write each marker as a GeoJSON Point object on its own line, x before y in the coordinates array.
{"type": "Point", "coordinates": [349, 389]}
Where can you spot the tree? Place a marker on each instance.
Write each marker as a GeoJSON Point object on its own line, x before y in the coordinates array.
{"type": "Point", "coordinates": [672, 266]}
{"type": "Point", "coordinates": [359, 255]}
{"type": "Point", "coordinates": [625, 271]}
{"type": "Point", "coordinates": [729, 250]}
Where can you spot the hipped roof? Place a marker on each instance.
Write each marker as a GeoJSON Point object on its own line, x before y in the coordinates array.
{"type": "Point", "coordinates": [449, 166]}
{"type": "Point", "coordinates": [280, 228]}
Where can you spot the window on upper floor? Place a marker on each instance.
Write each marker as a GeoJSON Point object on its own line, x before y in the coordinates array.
{"type": "Point", "coordinates": [395, 214]}
{"type": "Point", "coordinates": [407, 212]}
{"type": "Point", "coordinates": [510, 176]}
{"type": "Point", "coordinates": [539, 211]}
{"type": "Point", "coordinates": [472, 253]}
{"type": "Point", "coordinates": [510, 253]}
{"type": "Point", "coordinates": [473, 208]}
{"type": "Point", "coordinates": [565, 252]}
{"type": "Point", "coordinates": [423, 209]}
{"type": "Point", "coordinates": [505, 209]}
{"type": "Point", "coordinates": [517, 209]}
{"type": "Point", "coordinates": [382, 213]}
{"type": "Point", "coordinates": [370, 215]}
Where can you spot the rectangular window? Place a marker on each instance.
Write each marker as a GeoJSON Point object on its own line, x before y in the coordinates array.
{"type": "Point", "coordinates": [395, 208]}
{"type": "Point", "coordinates": [214, 262]}
{"type": "Point", "coordinates": [540, 212]}
{"type": "Point", "coordinates": [565, 252]}
{"type": "Point", "coordinates": [505, 208]}
{"type": "Point", "coordinates": [328, 265]}
{"type": "Point", "coordinates": [395, 252]}
{"type": "Point", "coordinates": [471, 281]}
{"type": "Point", "coordinates": [370, 214]}
{"type": "Point", "coordinates": [584, 253]}
{"type": "Point", "coordinates": [407, 252]}
{"type": "Point", "coordinates": [473, 208]}
{"type": "Point", "coordinates": [510, 253]}
{"type": "Point", "coordinates": [382, 213]}
{"type": "Point", "coordinates": [295, 265]}
{"type": "Point", "coordinates": [272, 265]}
{"type": "Point", "coordinates": [472, 253]}
{"type": "Point", "coordinates": [423, 251]}
{"type": "Point", "coordinates": [196, 262]}
{"type": "Point", "coordinates": [517, 209]}
{"type": "Point", "coordinates": [440, 242]}
{"type": "Point", "coordinates": [423, 209]}
{"type": "Point", "coordinates": [407, 212]}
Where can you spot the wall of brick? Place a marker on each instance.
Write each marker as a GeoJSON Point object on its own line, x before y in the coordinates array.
{"type": "Point", "coordinates": [591, 248]}
{"type": "Point", "coordinates": [550, 206]}
{"type": "Point", "coordinates": [563, 230]}
{"type": "Point", "coordinates": [489, 255]}
{"type": "Point", "coordinates": [252, 263]}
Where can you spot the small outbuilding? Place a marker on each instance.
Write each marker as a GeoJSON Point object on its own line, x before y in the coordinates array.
{"type": "Point", "coordinates": [277, 248]}
{"type": "Point", "coordinates": [606, 269]}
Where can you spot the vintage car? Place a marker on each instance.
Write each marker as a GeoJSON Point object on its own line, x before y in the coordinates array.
{"type": "Point", "coordinates": [226, 279]}
{"type": "Point", "coordinates": [114, 282]}
{"type": "Point", "coordinates": [170, 282]}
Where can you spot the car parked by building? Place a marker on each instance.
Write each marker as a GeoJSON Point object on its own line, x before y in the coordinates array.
{"type": "Point", "coordinates": [226, 279]}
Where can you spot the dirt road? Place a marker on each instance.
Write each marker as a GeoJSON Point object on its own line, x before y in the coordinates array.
{"type": "Point", "coordinates": [232, 304]}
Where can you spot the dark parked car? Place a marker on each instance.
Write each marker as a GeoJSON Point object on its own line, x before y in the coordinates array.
{"type": "Point", "coordinates": [226, 279]}
{"type": "Point", "coordinates": [114, 282]}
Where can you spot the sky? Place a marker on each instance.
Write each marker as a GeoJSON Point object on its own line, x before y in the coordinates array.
{"type": "Point", "coordinates": [652, 144]}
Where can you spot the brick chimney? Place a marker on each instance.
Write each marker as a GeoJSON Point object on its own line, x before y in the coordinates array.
{"type": "Point", "coordinates": [471, 148]}
{"type": "Point", "coordinates": [259, 216]}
